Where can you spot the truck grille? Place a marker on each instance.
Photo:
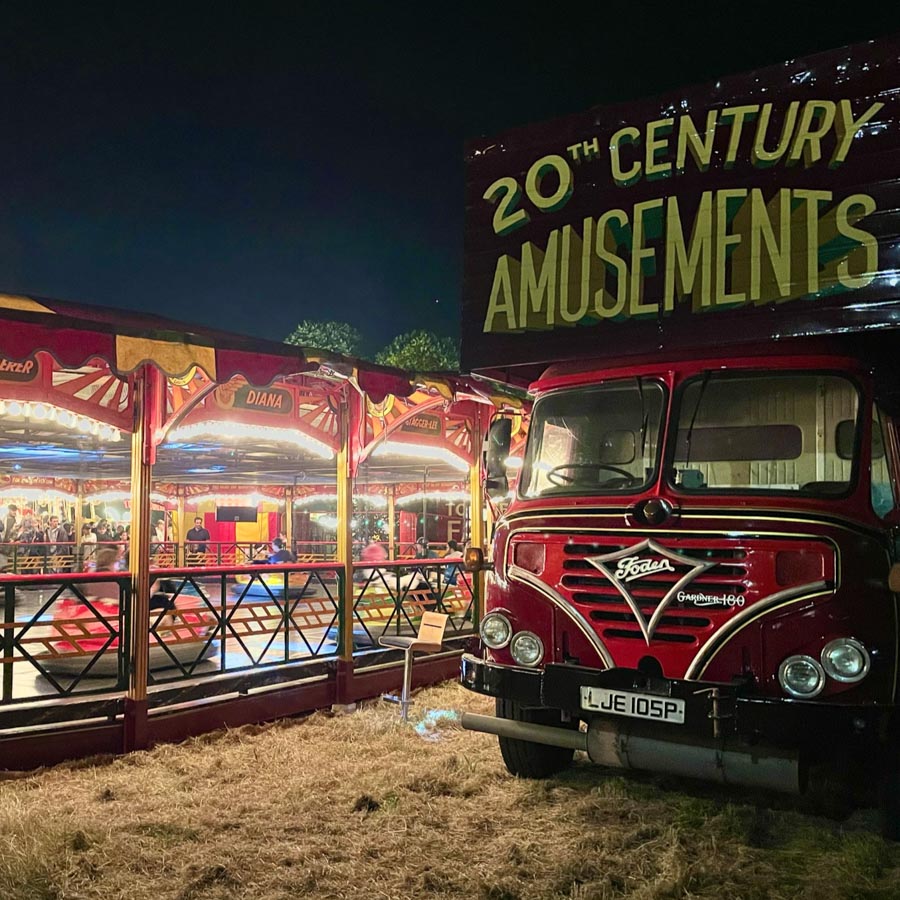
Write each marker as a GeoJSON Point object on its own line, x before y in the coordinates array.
{"type": "Point", "coordinates": [603, 604]}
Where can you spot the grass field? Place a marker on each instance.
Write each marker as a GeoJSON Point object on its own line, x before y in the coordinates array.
{"type": "Point", "coordinates": [360, 806]}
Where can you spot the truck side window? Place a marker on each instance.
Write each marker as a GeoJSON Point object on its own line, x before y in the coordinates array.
{"type": "Point", "coordinates": [882, 492]}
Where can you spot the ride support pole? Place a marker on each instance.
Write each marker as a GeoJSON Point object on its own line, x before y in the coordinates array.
{"type": "Point", "coordinates": [344, 538]}
{"type": "Point", "coordinates": [145, 393]}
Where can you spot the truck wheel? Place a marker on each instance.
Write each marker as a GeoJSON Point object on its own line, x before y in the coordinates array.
{"type": "Point", "coordinates": [525, 758]}
{"type": "Point", "coordinates": [889, 801]}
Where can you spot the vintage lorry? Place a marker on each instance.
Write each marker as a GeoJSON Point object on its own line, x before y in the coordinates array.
{"type": "Point", "coordinates": [694, 570]}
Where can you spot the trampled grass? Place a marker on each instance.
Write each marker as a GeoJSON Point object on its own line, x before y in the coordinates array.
{"type": "Point", "coordinates": [361, 806]}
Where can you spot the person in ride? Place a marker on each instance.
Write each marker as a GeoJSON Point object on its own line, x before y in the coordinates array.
{"type": "Point", "coordinates": [92, 614]}
{"type": "Point", "coordinates": [451, 572]}
{"type": "Point", "coordinates": [374, 554]}
{"type": "Point", "coordinates": [280, 553]}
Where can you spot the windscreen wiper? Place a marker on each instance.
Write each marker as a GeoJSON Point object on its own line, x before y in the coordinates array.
{"type": "Point", "coordinates": [640, 384]}
{"type": "Point", "coordinates": [690, 432]}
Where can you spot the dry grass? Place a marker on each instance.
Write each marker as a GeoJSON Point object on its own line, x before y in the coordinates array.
{"type": "Point", "coordinates": [360, 806]}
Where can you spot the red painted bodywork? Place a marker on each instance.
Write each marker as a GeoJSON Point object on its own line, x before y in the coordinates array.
{"type": "Point", "coordinates": [839, 541]}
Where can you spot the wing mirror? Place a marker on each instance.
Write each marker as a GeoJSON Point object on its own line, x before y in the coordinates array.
{"type": "Point", "coordinates": [894, 578]}
{"type": "Point", "coordinates": [496, 452]}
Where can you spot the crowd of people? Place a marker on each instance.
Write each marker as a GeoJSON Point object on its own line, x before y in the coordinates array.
{"type": "Point", "coordinates": [49, 542]}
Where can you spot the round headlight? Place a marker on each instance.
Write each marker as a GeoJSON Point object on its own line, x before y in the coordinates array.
{"type": "Point", "coordinates": [845, 660]}
{"type": "Point", "coordinates": [801, 676]}
{"type": "Point", "coordinates": [495, 630]}
{"type": "Point", "coordinates": [526, 649]}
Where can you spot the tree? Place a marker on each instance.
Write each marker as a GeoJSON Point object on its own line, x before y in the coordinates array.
{"type": "Point", "coordinates": [338, 337]}
{"type": "Point", "coordinates": [420, 351]}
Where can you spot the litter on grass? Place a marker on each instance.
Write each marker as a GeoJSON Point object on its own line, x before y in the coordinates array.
{"type": "Point", "coordinates": [429, 729]}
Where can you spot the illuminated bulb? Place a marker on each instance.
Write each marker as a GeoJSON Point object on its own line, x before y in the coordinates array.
{"type": "Point", "coordinates": [39, 411]}
{"type": "Point", "coordinates": [105, 432]}
{"type": "Point", "coordinates": [14, 408]}
{"type": "Point", "coordinates": [52, 413]}
{"type": "Point", "coordinates": [84, 425]}
{"type": "Point", "coordinates": [66, 418]}
{"type": "Point", "coordinates": [116, 435]}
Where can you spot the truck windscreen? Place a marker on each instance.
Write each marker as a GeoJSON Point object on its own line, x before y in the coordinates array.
{"type": "Point", "coordinates": [781, 432]}
{"type": "Point", "coordinates": [594, 440]}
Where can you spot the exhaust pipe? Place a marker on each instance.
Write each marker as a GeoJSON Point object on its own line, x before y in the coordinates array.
{"type": "Point", "coordinates": [769, 768]}
{"type": "Point", "coordinates": [608, 744]}
{"type": "Point", "coordinates": [526, 731]}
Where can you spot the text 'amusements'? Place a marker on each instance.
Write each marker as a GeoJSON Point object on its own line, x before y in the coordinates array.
{"type": "Point", "coordinates": [724, 247]}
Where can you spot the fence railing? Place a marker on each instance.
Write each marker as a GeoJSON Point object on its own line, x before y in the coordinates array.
{"type": "Point", "coordinates": [66, 635]}
{"type": "Point", "coordinates": [27, 558]}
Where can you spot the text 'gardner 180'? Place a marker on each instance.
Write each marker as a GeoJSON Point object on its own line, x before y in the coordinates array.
{"type": "Point", "coordinates": [695, 554]}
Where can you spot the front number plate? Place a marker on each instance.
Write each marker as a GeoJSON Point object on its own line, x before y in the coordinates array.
{"type": "Point", "coordinates": [638, 706]}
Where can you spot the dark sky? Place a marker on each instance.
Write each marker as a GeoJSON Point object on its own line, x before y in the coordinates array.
{"type": "Point", "coordinates": [248, 165]}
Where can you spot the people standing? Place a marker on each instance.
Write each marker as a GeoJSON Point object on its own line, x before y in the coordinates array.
{"type": "Point", "coordinates": [11, 526]}
{"type": "Point", "coordinates": [88, 542]}
{"type": "Point", "coordinates": [197, 537]}
{"type": "Point", "coordinates": [55, 536]}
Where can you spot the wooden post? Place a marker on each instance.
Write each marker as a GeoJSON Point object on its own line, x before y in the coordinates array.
{"type": "Point", "coordinates": [344, 531]}
{"type": "Point", "coordinates": [181, 528]}
{"type": "Point", "coordinates": [145, 397]}
{"type": "Point", "coordinates": [77, 563]}
{"type": "Point", "coordinates": [391, 499]}
{"type": "Point", "coordinates": [476, 515]}
{"type": "Point", "coordinates": [289, 516]}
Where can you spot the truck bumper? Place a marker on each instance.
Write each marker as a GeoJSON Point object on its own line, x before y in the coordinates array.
{"type": "Point", "coordinates": [713, 711]}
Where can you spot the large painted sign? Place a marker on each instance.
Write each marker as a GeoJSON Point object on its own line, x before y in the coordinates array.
{"type": "Point", "coordinates": [763, 205]}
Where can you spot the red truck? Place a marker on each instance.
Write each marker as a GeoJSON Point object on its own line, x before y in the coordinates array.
{"type": "Point", "coordinates": [694, 569]}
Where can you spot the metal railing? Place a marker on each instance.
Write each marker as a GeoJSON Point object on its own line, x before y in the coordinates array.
{"type": "Point", "coordinates": [26, 558]}
{"type": "Point", "coordinates": [64, 638]}
{"type": "Point", "coordinates": [44, 558]}
{"type": "Point", "coordinates": [390, 597]}
{"type": "Point", "coordinates": [232, 619]}
{"type": "Point", "coordinates": [63, 635]}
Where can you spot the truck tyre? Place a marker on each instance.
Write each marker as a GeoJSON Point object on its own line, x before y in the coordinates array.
{"type": "Point", "coordinates": [889, 787]}
{"type": "Point", "coordinates": [889, 800]}
{"type": "Point", "coordinates": [525, 758]}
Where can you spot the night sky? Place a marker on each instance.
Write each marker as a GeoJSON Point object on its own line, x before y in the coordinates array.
{"type": "Point", "coordinates": [248, 165]}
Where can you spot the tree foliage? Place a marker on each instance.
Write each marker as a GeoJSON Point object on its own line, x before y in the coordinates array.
{"type": "Point", "coordinates": [421, 351]}
{"type": "Point", "coordinates": [338, 337]}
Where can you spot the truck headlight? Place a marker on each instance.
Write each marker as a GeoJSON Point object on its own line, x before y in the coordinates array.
{"type": "Point", "coordinates": [845, 660]}
{"type": "Point", "coordinates": [495, 630]}
{"type": "Point", "coordinates": [801, 676]}
{"type": "Point", "coordinates": [526, 649]}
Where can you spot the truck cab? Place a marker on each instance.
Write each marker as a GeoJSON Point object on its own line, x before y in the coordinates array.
{"type": "Point", "coordinates": [696, 564]}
